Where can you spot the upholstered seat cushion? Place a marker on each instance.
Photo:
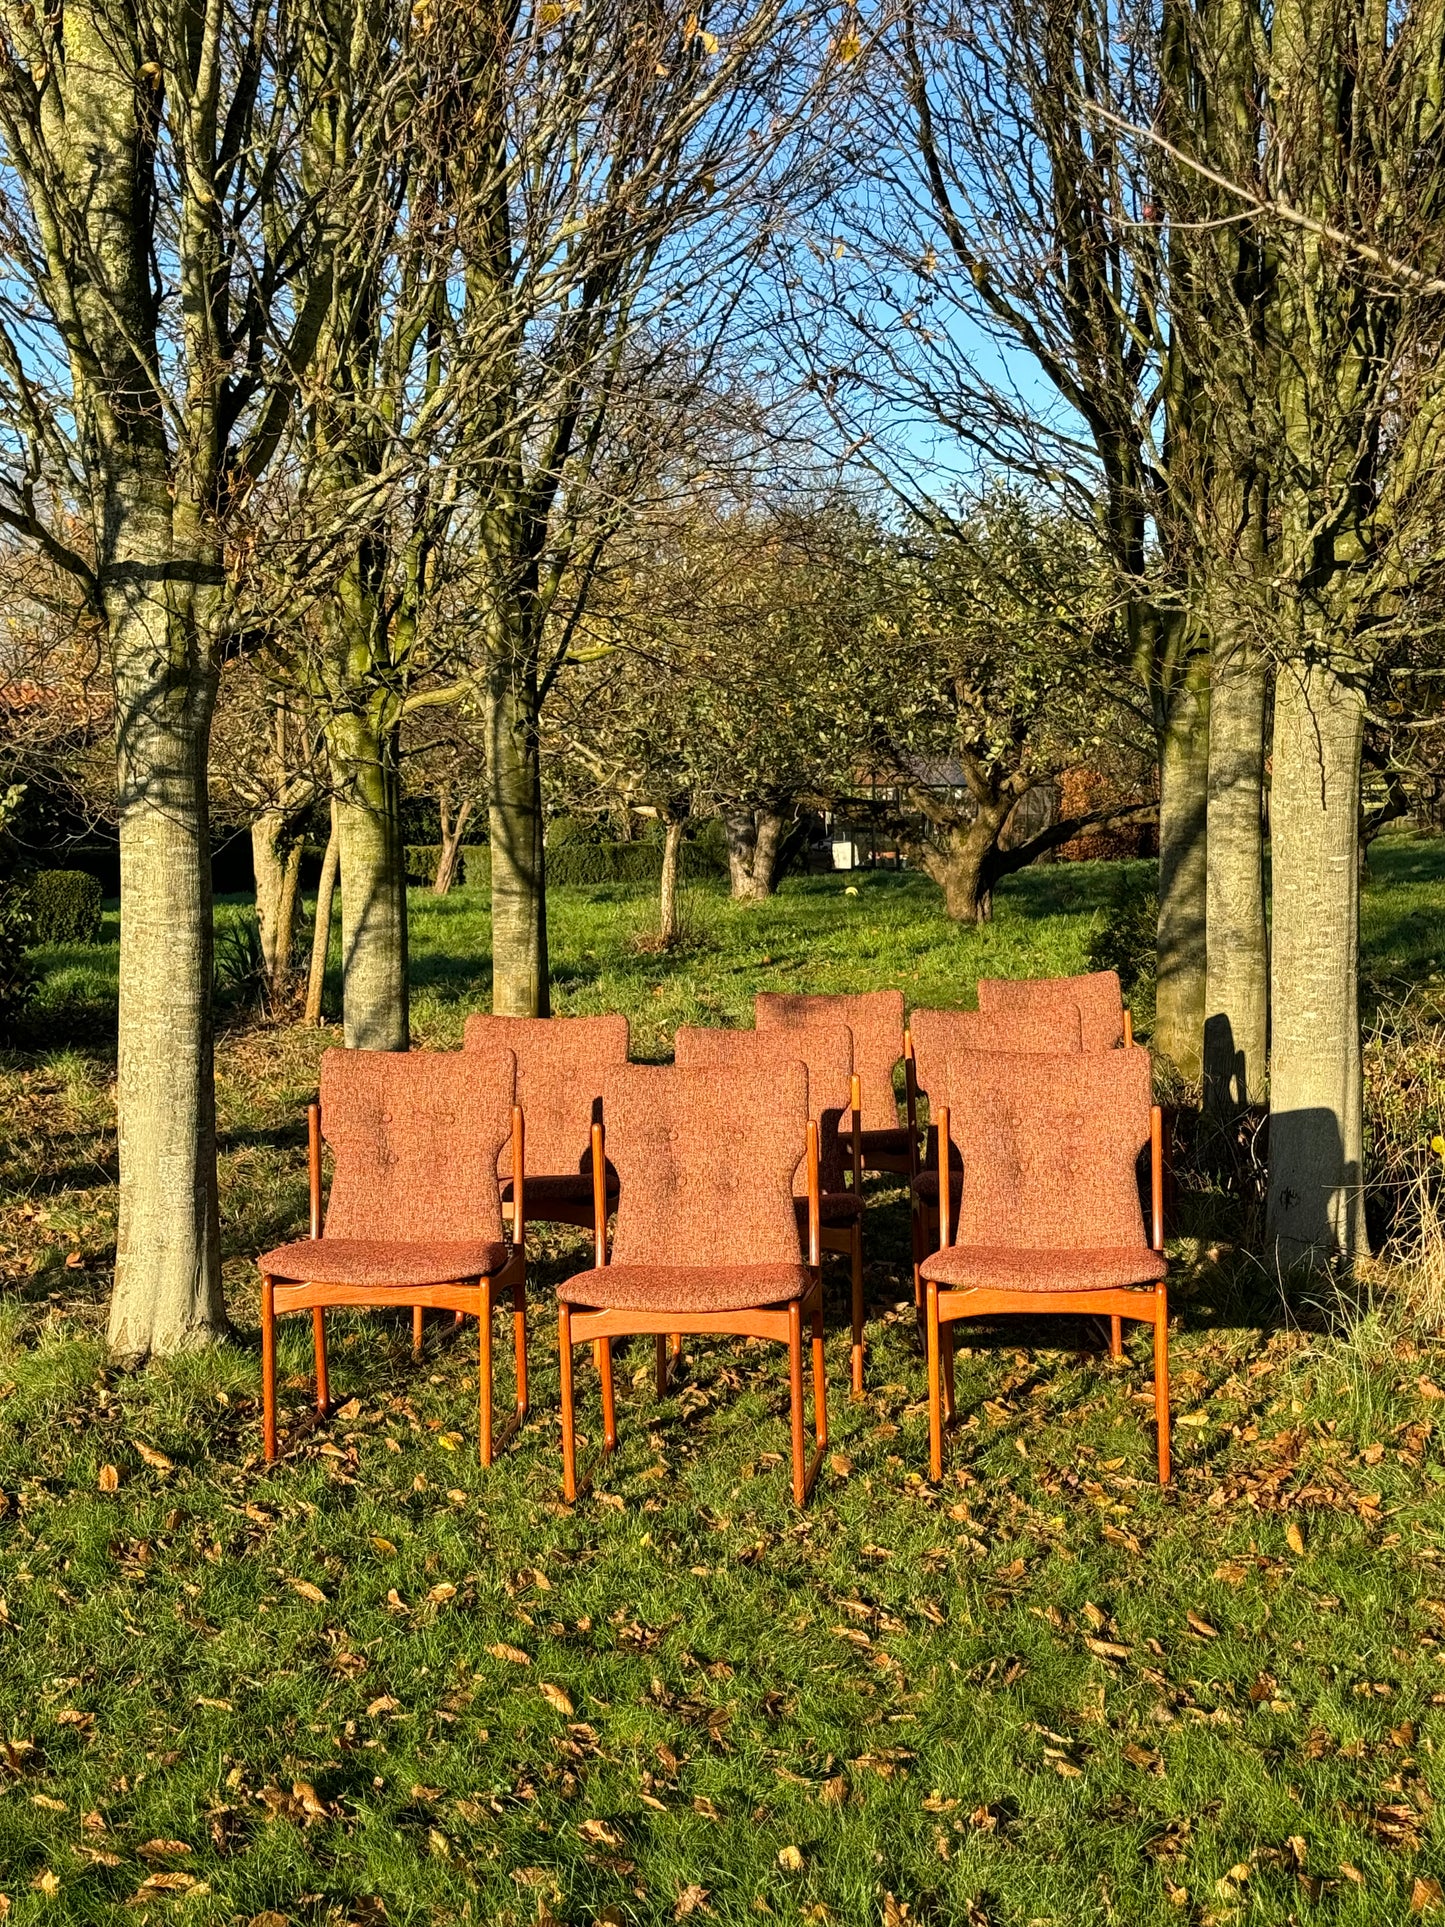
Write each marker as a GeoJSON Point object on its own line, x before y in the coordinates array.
{"type": "Point", "coordinates": [1007, 1268]}
{"type": "Point", "coordinates": [383, 1262]}
{"type": "Point", "coordinates": [834, 1207]}
{"type": "Point", "coordinates": [925, 1185]}
{"type": "Point", "coordinates": [685, 1288]}
{"type": "Point", "coordinates": [543, 1188]}
{"type": "Point", "coordinates": [885, 1143]}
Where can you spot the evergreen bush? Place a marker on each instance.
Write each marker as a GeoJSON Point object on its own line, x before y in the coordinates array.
{"type": "Point", "coordinates": [64, 906]}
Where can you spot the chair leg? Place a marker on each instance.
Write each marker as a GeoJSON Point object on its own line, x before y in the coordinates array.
{"type": "Point", "coordinates": [820, 1382]}
{"type": "Point", "coordinates": [519, 1341]}
{"type": "Point", "coordinates": [1161, 1376]}
{"type": "Point", "coordinates": [857, 1255]}
{"type": "Point", "coordinates": [318, 1331]}
{"type": "Point", "coordinates": [935, 1390]}
{"type": "Point", "coordinates": [609, 1402]}
{"type": "Point", "coordinates": [417, 1314]}
{"type": "Point", "coordinates": [268, 1368]}
{"type": "Point", "coordinates": [1116, 1336]}
{"type": "Point", "coordinates": [569, 1431]}
{"type": "Point", "coordinates": [915, 1226]}
{"type": "Point", "coordinates": [661, 1355]}
{"type": "Point", "coordinates": [950, 1398]}
{"type": "Point", "coordinates": [484, 1372]}
{"type": "Point", "coordinates": [795, 1386]}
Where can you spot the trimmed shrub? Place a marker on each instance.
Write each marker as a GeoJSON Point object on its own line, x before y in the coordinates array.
{"type": "Point", "coordinates": [621, 863]}
{"type": "Point", "coordinates": [64, 906]}
{"type": "Point", "coordinates": [474, 864]}
{"type": "Point", "coordinates": [17, 978]}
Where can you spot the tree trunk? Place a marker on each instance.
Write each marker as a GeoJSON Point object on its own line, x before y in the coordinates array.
{"type": "Point", "coordinates": [960, 867]}
{"type": "Point", "coordinates": [519, 884]}
{"type": "Point", "coordinates": [1316, 1129]}
{"type": "Point", "coordinates": [753, 838]}
{"type": "Point", "coordinates": [451, 849]}
{"type": "Point", "coordinates": [276, 860]}
{"type": "Point", "coordinates": [167, 1295]}
{"type": "Point", "coordinates": [1183, 804]}
{"type": "Point", "coordinates": [373, 883]}
{"type": "Point", "coordinates": [321, 935]}
{"type": "Point", "coordinates": [667, 898]}
{"type": "Point", "coordinates": [1236, 1019]}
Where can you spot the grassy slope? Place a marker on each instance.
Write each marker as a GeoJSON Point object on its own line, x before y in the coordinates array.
{"type": "Point", "coordinates": [898, 1684]}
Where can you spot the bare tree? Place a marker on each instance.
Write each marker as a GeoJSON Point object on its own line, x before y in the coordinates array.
{"type": "Point", "coordinates": [166, 227]}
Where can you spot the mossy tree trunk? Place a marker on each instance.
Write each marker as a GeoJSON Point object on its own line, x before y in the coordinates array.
{"type": "Point", "coordinates": [520, 976]}
{"type": "Point", "coordinates": [375, 1006]}
{"type": "Point", "coordinates": [276, 847]}
{"type": "Point", "coordinates": [673, 828]}
{"type": "Point", "coordinates": [1316, 1128]}
{"type": "Point", "coordinates": [321, 934]}
{"type": "Point", "coordinates": [1236, 1010]}
{"type": "Point", "coordinates": [753, 839]}
{"type": "Point", "coordinates": [1183, 869]}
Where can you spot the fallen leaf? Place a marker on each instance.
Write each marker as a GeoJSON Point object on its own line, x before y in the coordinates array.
{"type": "Point", "coordinates": [1201, 1626]}
{"type": "Point", "coordinates": [386, 1704]}
{"type": "Point", "coordinates": [513, 1654]}
{"type": "Point", "coordinates": [164, 1883]}
{"type": "Point", "coordinates": [689, 1900]}
{"type": "Point", "coordinates": [840, 1465]}
{"type": "Point", "coordinates": [46, 1882]}
{"type": "Point", "coordinates": [1106, 1648]}
{"type": "Point", "coordinates": [835, 1791]}
{"type": "Point", "coordinates": [557, 1699]}
{"type": "Point", "coordinates": [440, 1594]}
{"type": "Point", "coordinates": [51, 1806]}
{"type": "Point", "coordinates": [218, 1706]}
{"type": "Point", "coordinates": [163, 1849]}
{"type": "Point", "coordinates": [270, 1919]}
{"type": "Point", "coordinates": [109, 1479]}
{"type": "Point", "coordinates": [351, 1409]}
{"type": "Point", "coordinates": [1294, 1539]}
{"type": "Point", "coordinates": [790, 1859]}
{"type": "Point", "coordinates": [308, 1591]}
{"type": "Point", "coordinates": [1426, 1896]}
{"type": "Point", "coordinates": [382, 1545]}
{"type": "Point", "coordinates": [73, 1261]}
{"type": "Point", "coordinates": [597, 1833]}
{"type": "Point", "coordinates": [157, 1460]}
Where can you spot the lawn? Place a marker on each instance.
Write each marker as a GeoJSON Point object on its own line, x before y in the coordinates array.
{"type": "Point", "coordinates": [375, 1684]}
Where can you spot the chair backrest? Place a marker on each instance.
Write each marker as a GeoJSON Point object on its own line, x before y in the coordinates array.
{"type": "Point", "coordinates": [1050, 1148]}
{"type": "Point", "coordinates": [824, 1050]}
{"type": "Point", "coordinates": [416, 1136]}
{"type": "Point", "coordinates": [1024, 1003]}
{"type": "Point", "coordinates": [705, 1160]}
{"type": "Point", "coordinates": [561, 1062]}
{"type": "Point", "coordinates": [939, 1034]}
{"type": "Point", "coordinates": [875, 1018]}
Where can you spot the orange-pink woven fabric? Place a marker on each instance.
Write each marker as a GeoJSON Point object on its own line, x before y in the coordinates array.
{"type": "Point", "coordinates": [706, 1161]}
{"type": "Point", "coordinates": [1005, 1268]}
{"type": "Point", "coordinates": [1050, 1149]}
{"type": "Point", "coordinates": [374, 1262]}
{"type": "Point", "coordinates": [685, 1287]}
{"type": "Point", "coordinates": [416, 1136]}
{"type": "Point", "coordinates": [824, 1050]}
{"type": "Point", "coordinates": [561, 1062]}
{"type": "Point", "coordinates": [1025, 1003]}
{"type": "Point", "coordinates": [875, 1018]}
{"type": "Point", "coordinates": [939, 1033]}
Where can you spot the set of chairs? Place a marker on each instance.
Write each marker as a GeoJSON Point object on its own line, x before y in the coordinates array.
{"type": "Point", "coordinates": [715, 1186]}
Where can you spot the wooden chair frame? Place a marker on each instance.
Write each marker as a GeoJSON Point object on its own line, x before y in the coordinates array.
{"type": "Point", "coordinates": [478, 1295]}
{"type": "Point", "coordinates": [781, 1322]}
{"type": "Point", "coordinates": [847, 1240]}
{"type": "Point", "coordinates": [945, 1305]}
{"type": "Point", "coordinates": [923, 1217]}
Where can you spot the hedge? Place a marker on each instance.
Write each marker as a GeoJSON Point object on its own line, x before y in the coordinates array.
{"type": "Point", "coordinates": [570, 863]}
{"type": "Point", "coordinates": [64, 906]}
{"type": "Point", "coordinates": [474, 863]}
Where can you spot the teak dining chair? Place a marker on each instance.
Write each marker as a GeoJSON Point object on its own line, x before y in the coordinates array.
{"type": "Point", "coordinates": [935, 1035]}
{"type": "Point", "coordinates": [414, 1215]}
{"type": "Point", "coordinates": [1049, 1213]}
{"type": "Point", "coordinates": [875, 1018]}
{"type": "Point", "coordinates": [826, 1050]}
{"type": "Point", "coordinates": [706, 1238]}
{"type": "Point", "coordinates": [1024, 1003]}
{"type": "Point", "coordinates": [561, 1062]}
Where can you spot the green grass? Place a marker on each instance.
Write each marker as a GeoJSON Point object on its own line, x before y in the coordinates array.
{"type": "Point", "coordinates": [1044, 1692]}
